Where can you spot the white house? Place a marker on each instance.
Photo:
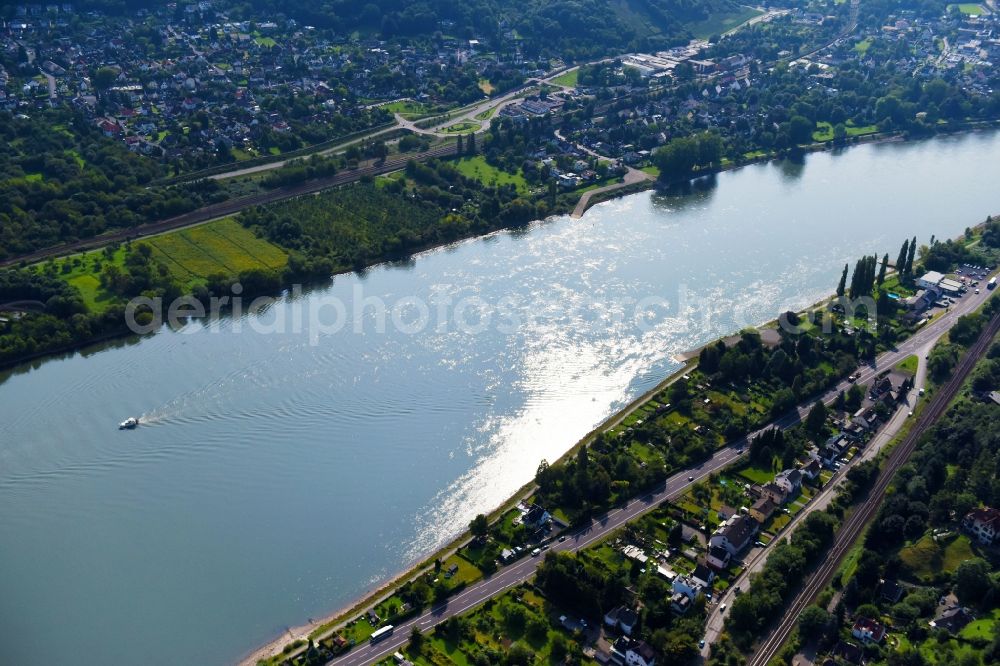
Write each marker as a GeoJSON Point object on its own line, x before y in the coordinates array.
{"type": "Point", "coordinates": [703, 575]}
{"type": "Point", "coordinates": [623, 618]}
{"type": "Point", "coordinates": [789, 480]}
{"type": "Point", "coordinates": [868, 630]}
{"type": "Point", "coordinates": [983, 523]}
{"type": "Point", "coordinates": [718, 557]}
{"type": "Point", "coordinates": [735, 534]}
{"type": "Point", "coordinates": [689, 587]}
{"type": "Point", "coordinates": [930, 280]}
{"type": "Point", "coordinates": [680, 603]}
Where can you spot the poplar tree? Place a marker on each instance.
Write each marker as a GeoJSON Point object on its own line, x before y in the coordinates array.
{"type": "Point", "coordinates": [910, 255]}
{"type": "Point", "coordinates": [881, 270]}
{"type": "Point", "coordinates": [901, 259]}
{"type": "Point", "coordinates": [843, 282]}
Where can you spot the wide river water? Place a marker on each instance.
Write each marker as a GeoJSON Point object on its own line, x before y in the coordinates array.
{"type": "Point", "coordinates": [279, 475]}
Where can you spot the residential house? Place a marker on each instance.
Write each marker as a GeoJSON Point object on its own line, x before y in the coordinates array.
{"type": "Point", "coordinates": [879, 387]}
{"type": "Point", "coordinates": [688, 587]}
{"type": "Point", "coordinates": [852, 432]}
{"type": "Point", "coordinates": [572, 624]}
{"type": "Point", "coordinates": [536, 517]}
{"type": "Point", "coordinates": [726, 512]}
{"type": "Point", "coordinates": [891, 591]}
{"type": "Point", "coordinates": [735, 534]}
{"type": "Point", "coordinates": [775, 493]}
{"type": "Point", "coordinates": [865, 418]}
{"type": "Point", "coordinates": [762, 509]}
{"type": "Point", "coordinates": [920, 301]}
{"type": "Point", "coordinates": [703, 575]}
{"type": "Point", "coordinates": [635, 554]}
{"type": "Point", "coordinates": [930, 280]}
{"type": "Point", "coordinates": [718, 557]}
{"type": "Point", "coordinates": [953, 619]}
{"type": "Point", "coordinates": [867, 630]}
{"type": "Point", "coordinates": [849, 652]}
{"type": "Point", "coordinates": [629, 652]}
{"type": "Point", "coordinates": [109, 128]}
{"type": "Point", "coordinates": [983, 523]}
{"type": "Point", "coordinates": [810, 470]}
{"type": "Point", "coordinates": [680, 603]}
{"type": "Point", "coordinates": [790, 481]}
{"type": "Point", "coordinates": [623, 618]}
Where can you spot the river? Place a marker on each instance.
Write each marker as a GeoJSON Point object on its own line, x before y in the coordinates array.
{"type": "Point", "coordinates": [276, 476]}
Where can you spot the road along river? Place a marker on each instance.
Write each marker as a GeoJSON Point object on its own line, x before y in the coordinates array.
{"type": "Point", "coordinates": [276, 476]}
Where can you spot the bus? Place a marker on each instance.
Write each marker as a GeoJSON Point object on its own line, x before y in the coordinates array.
{"type": "Point", "coordinates": [992, 284]}
{"type": "Point", "coordinates": [382, 633]}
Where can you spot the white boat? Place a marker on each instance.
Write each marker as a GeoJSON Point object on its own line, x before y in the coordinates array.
{"type": "Point", "coordinates": [129, 423]}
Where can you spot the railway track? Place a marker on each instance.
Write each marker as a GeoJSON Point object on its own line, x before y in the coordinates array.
{"type": "Point", "coordinates": [229, 207]}
{"type": "Point", "coordinates": [856, 522]}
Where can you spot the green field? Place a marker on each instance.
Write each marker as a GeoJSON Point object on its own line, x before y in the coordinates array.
{"type": "Point", "coordinates": [720, 22]}
{"type": "Point", "coordinates": [467, 573]}
{"type": "Point", "coordinates": [757, 475]}
{"type": "Point", "coordinates": [909, 364]}
{"type": "Point", "coordinates": [191, 255]}
{"type": "Point", "coordinates": [223, 246]}
{"type": "Point", "coordinates": [82, 276]}
{"type": "Point", "coordinates": [477, 167]}
{"type": "Point", "coordinates": [409, 109]}
{"type": "Point", "coordinates": [567, 78]}
{"type": "Point", "coordinates": [984, 628]}
{"type": "Point", "coordinates": [863, 46]}
{"type": "Point", "coordinates": [970, 8]}
{"type": "Point", "coordinates": [462, 127]}
{"type": "Point", "coordinates": [824, 131]}
{"type": "Point", "coordinates": [926, 558]}
{"type": "Point", "coordinates": [487, 114]}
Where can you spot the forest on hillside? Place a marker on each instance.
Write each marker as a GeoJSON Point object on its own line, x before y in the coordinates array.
{"type": "Point", "coordinates": [570, 28]}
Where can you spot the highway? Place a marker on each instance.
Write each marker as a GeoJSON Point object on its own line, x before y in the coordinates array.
{"type": "Point", "coordinates": [857, 521]}
{"type": "Point", "coordinates": [674, 486]}
{"type": "Point", "coordinates": [230, 206]}
{"type": "Point", "coordinates": [920, 344]}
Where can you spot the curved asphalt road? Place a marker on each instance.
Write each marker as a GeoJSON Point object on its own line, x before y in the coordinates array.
{"type": "Point", "coordinates": [674, 486]}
